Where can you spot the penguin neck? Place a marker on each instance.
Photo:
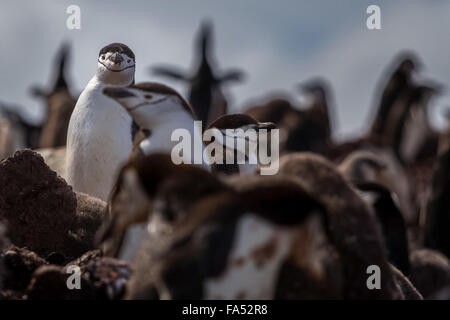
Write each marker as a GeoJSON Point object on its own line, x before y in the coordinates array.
{"type": "Point", "coordinates": [97, 82]}
{"type": "Point", "coordinates": [106, 104]}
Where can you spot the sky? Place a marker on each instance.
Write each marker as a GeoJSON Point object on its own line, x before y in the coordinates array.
{"type": "Point", "coordinates": [277, 43]}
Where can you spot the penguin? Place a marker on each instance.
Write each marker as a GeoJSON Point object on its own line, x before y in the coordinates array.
{"type": "Point", "coordinates": [312, 269]}
{"type": "Point", "coordinates": [278, 110]}
{"type": "Point", "coordinates": [99, 137]}
{"type": "Point", "coordinates": [380, 166]}
{"type": "Point", "coordinates": [160, 110]}
{"type": "Point", "coordinates": [366, 172]}
{"type": "Point", "coordinates": [392, 223]}
{"type": "Point", "coordinates": [318, 91]}
{"type": "Point", "coordinates": [437, 221]}
{"type": "Point", "coordinates": [401, 122]}
{"type": "Point", "coordinates": [301, 129]}
{"type": "Point", "coordinates": [430, 273]}
{"type": "Point", "coordinates": [408, 289]}
{"type": "Point", "coordinates": [399, 81]}
{"type": "Point", "coordinates": [228, 246]}
{"type": "Point", "coordinates": [151, 188]}
{"type": "Point", "coordinates": [352, 224]}
{"type": "Point", "coordinates": [411, 130]}
{"type": "Point", "coordinates": [313, 129]}
{"type": "Point", "coordinates": [243, 122]}
{"type": "Point", "coordinates": [11, 137]}
{"type": "Point", "coordinates": [59, 103]}
{"type": "Point", "coordinates": [16, 131]}
{"type": "Point", "coordinates": [362, 166]}
{"type": "Point", "coordinates": [205, 93]}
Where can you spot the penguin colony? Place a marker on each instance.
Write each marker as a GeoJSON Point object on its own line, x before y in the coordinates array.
{"type": "Point", "coordinates": [101, 192]}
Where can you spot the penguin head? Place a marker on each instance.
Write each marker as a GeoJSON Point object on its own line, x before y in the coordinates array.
{"type": "Point", "coordinates": [116, 65]}
{"type": "Point", "coordinates": [316, 87]}
{"type": "Point", "coordinates": [147, 102]}
{"type": "Point", "coordinates": [242, 130]}
{"type": "Point", "coordinates": [240, 121]}
{"type": "Point", "coordinates": [363, 166]}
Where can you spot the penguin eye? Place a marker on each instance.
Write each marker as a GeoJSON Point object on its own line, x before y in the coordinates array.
{"type": "Point", "coordinates": [147, 96]}
{"type": "Point", "coordinates": [129, 60]}
{"type": "Point", "coordinates": [103, 57]}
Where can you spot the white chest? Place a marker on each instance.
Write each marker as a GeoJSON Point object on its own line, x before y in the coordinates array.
{"type": "Point", "coordinates": [98, 142]}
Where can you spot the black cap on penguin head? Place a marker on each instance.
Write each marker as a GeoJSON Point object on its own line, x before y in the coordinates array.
{"type": "Point", "coordinates": [117, 47]}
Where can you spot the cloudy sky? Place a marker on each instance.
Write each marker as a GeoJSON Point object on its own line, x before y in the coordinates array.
{"type": "Point", "coordinates": [278, 43]}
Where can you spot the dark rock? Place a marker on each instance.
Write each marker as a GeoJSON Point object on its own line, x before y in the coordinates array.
{"type": "Point", "coordinates": [38, 206]}
{"type": "Point", "coordinates": [20, 263]}
{"type": "Point", "coordinates": [86, 258]}
{"type": "Point", "coordinates": [108, 277]}
{"type": "Point", "coordinates": [89, 217]}
{"type": "Point", "coordinates": [4, 241]}
{"type": "Point", "coordinates": [11, 295]}
{"type": "Point", "coordinates": [50, 283]}
{"type": "Point", "coordinates": [56, 258]}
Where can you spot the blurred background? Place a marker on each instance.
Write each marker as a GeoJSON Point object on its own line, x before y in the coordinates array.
{"type": "Point", "coordinates": [277, 43]}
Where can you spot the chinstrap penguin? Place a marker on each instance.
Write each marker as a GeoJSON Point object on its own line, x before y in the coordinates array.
{"type": "Point", "coordinates": [161, 110]}
{"type": "Point", "coordinates": [99, 138]}
{"type": "Point", "coordinates": [243, 122]}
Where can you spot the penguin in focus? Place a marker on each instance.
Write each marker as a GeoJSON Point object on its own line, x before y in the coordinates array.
{"type": "Point", "coordinates": [99, 137]}
{"type": "Point", "coordinates": [250, 157]}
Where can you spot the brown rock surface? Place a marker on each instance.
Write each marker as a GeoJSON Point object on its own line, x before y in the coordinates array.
{"type": "Point", "coordinates": [37, 205]}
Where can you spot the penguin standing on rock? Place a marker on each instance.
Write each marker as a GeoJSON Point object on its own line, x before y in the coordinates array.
{"type": "Point", "coordinates": [99, 138]}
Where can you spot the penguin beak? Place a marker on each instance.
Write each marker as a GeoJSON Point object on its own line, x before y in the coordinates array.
{"type": "Point", "coordinates": [260, 126]}
{"type": "Point", "coordinates": [116, 58]}
{"type": "Point", "coordinates": [266, 125]}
